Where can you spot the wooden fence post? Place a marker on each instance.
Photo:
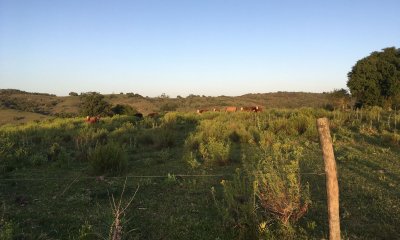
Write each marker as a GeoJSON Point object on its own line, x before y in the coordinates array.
{"type": "Point", "coordinates": [332, 187]}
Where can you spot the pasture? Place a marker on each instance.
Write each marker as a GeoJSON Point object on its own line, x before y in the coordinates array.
{"type": "Point", "coordinates": [198, 175]}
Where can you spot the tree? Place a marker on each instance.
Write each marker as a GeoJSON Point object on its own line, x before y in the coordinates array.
{"type": "Point", "coordinates": [164, 96]}
{"type": "Point", "coordinates": [375, 80]}
{"type": "Point", "coordinates": [73, 94]}
{"type": "Point", "coordinates": [93, 104]}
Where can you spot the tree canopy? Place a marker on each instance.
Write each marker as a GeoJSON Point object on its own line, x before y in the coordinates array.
{"type": "Point", "coordinates": [93, 104]}
{"type": "Point", "coordinates": [375, 79]}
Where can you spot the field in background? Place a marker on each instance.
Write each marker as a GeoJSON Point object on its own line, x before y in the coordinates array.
{"type": "Point", "coordinates": [50, 185]}
{"type": "Point", "coordinates": [51, 105]}
{"type": "Point", "coordinates": [18, 117]}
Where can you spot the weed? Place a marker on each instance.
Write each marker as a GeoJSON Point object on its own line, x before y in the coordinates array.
{"type": "Point", "coordinates": [238, 207]}
{"type": "Point", "coordinates": [215, 151]}
{"type": "Point", "coordinates": [107, 159]}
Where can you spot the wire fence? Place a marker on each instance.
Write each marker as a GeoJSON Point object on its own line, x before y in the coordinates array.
{"type": "Point", "coordinates": [135, 176]}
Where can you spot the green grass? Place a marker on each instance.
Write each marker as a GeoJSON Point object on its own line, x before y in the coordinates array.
{"type": "Point", "coordinates": [60, 198]}
{"type": "Point", "coordinates": [45, 105]}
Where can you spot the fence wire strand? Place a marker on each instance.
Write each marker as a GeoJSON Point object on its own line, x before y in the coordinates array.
{"type": "Point", "coordinates": [134, 176]}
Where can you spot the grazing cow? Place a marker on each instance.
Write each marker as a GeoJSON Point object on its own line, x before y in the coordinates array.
{"type": "Point", "coordinates": [230, 109]}
{"type": "Point", "coordinates": [246, 109]}
{"type": "Point", "coordinates": [138, 115]}
{"type": "Point", "coordinates": [257, 109]}
{"type": "Point", "coordinates": [152, 115]}
{"type": "Point", "coordinates": [251, 109]}
{"type": "Point", "coordinates": [92, 120]}
{"type": "Point", "coordinates": [200, 111]}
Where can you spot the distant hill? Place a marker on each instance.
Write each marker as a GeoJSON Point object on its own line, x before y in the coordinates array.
{"type": "Point", "coordinates": [14, 103]}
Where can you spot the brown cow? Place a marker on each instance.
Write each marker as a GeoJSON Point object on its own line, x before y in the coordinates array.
{"type": "Point", "coordinates": [230, 109]}
{"type": "Point", "coordinates": [200, 111]}
{"type": "Point", "coordinates": [257, 109]}
{"type": "Point", "coordinates": [246, 109]}
{"type": "Point", "coordinates": [215, 110]}
{"type": "Point", "coordinates": [92, 120]}
{"type": "Point", "coordinates": [251, 109]}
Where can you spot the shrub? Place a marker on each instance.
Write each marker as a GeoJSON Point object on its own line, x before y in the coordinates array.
{"type": "Point", "coordinates": [279, 189]}
{"type": "Point", "coordinates": [238, 206]}
{"type": "Point", "coordinates": [170, 119]}
{"type": "Point", "coordinates": [38, 159]}
{"type": "Point", "coordinates": [164, 138]}
{"type": "Point", "coordinates": [93, 104]}
{"type": "Point", "coordinates": [7, 230]}
{"type": "Point", "coordinates": [215, 151]}
{"type": "Point", "coordinates": [107, 159]}
{"type": "Point", "coordinates": [393, 138]}
{"type": "Point", "coordinates": [123, 109]}
{"type": "Point", "coordinates": [169, 106]}
{"type": "Point", "coordinates": [192, 160]}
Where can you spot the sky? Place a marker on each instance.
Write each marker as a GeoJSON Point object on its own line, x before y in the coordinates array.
{"type": "Point", "coordinates": [205, 47]}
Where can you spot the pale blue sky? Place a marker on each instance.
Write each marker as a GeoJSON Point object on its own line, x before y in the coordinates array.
{"type": "Point", "coordinates": [210, 47]}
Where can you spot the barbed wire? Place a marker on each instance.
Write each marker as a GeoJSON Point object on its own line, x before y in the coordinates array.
{"type": "Point", "coordinates": [134, 176]}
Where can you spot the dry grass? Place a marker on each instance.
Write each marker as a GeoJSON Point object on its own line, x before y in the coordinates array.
{"type": "Point", "coordinates": [19, 117]}
{"type": "Point", "coordinates": [118, 211]}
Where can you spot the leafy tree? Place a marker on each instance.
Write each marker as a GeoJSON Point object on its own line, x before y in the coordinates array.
{"type": "Point", "coordinates": [73, 94]}
{"type": "Point", "coordinates": [131, 94]}
{"type": "Point", "coordinates": [375, 80]}
{"type": "Point", "coordinates": [93, 104]}
{"type": "Point", "coordinates": [164, 96]}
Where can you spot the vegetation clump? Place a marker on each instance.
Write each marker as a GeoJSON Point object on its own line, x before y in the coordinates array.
{"type": "Point", "coordinates": [107, 159]}
{"type": "Point", "coordinates": [375, 80]}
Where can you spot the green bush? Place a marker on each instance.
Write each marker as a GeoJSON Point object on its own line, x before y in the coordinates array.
{"type": "Point", "coordinates": [238, 208]}
{"type": "Point", "coordinates": [109, 159]}
{"type": "Point", "coordinates": [215, 151]}
{"type": "Point", "coordinates": [7, 230]}
{"type": "Point", "coordinates": [279, 189]}
{"type": "Point", "coordinates": [192, 160]}
{"type": "Point", "coordinates": [123, 109]}
{"type": "Point", "coordinates": [164, 138]}
{"type": "Point", "coordinates": [38, 159]}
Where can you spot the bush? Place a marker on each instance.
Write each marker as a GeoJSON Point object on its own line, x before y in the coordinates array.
{"type": "Point", "coordinates": [107, 159]}
{"type": "Point", "coordinates": [165, 138]}
{"type": "Point", "coordinates": [192, 160]}
{"type": "Point", "coordinates": [238, 207]}
{"type": "Point", "coordinates": [93, 104]}
{"type": "Point", "coordinates": [7, 230]}
{"type": "Point", "coordinates": [38, 159]}
{"type": "Point", "coordinates": [169, 106]}
{"type": "Point", "coordinates": [279, 189]}
{"type": "Point", "coordinates": [123, 109]}
{"type": "Point", "coordinates": [215, 151]}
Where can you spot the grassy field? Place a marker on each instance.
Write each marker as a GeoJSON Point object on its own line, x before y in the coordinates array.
{"type": "Point", "coordinates": [19, 102]}
{"type": "Point", "coordinates": [58, 177]}
{"type": "Point", "coordinates": [18, 117]}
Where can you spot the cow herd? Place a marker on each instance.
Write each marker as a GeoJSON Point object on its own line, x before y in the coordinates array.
{"type": "Point", "coordinates": [255, 109]}
{"type": "Point", "coordinates": [232, 109]}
